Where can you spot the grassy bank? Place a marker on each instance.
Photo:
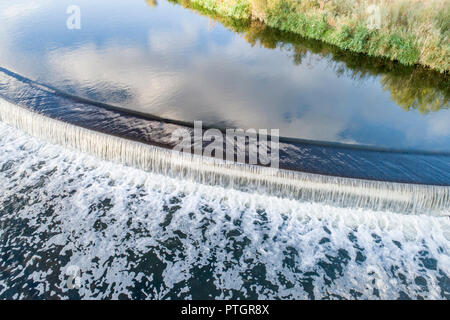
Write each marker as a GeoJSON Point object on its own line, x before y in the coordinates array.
{"type": "Point", "coordinates": [408, 31]}
{"type": "Point", "coordinates": [411, 87]}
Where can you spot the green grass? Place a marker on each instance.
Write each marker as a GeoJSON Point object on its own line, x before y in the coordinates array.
{"type": "Point", "coordinates": [412, 87]}
{"type": "Point", "coordinates": [408, 31]}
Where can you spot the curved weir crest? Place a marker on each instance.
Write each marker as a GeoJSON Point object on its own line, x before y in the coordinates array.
{"type": "Point", "coordinates": [40, 112]}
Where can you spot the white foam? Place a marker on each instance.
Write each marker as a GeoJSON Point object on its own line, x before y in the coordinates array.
{"type": "Point", "coordinates": [345, 192]}
{"type": "Point", "coordinates": [158, 232]}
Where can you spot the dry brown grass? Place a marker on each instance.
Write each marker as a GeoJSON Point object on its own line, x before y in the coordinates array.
{"type": "Point", "coordinates": [411, 31]}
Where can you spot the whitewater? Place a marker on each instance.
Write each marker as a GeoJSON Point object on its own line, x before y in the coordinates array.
{"type": "Point", "coordinates": [137, 234]}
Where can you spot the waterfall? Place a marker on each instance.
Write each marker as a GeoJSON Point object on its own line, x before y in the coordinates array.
{"type": "Point", "coordinates": [338, 191]}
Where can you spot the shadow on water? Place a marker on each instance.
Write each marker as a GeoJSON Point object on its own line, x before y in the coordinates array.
{"type": "Point", "coordinates": [410, 87]}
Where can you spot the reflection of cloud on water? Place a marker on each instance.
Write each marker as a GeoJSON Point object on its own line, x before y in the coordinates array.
{"type": "Point", "coordinates": [114, 66]}
{"type": "Point", "coordinates": [439, 126]}
{"type": "Point", "coordinates": [175, 42]}
{"type": "Point", "coordinates": [186, 71]}
{"type": "Point", "coordinates": [12, 14]}
{"type": "Point", "coordinates": [172, 78]}
{"type": "Point", "coordinates": [20, 9]}
{"type": "Point", "coordinates": [206, 85]}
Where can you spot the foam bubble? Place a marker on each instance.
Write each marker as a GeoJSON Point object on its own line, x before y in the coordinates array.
{"type": "Point", "coordinates": [142, 235]}
{"type": "Point", "coordinates": [344, 192]}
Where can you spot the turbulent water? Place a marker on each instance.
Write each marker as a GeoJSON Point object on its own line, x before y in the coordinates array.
{"type": "Point", "coordinates": [133, 234]}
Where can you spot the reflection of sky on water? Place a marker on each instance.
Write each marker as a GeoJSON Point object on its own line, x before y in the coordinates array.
{"type": "Point", "coordinates": [174, 63]}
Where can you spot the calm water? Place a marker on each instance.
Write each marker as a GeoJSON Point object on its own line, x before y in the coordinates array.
{"type": "Point", "coordinates": [175, 63]}
{"type": "Point", "coordinates": [125, 233]}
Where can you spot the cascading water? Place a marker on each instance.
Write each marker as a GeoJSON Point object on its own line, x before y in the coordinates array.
{"type": "Point", "coordinates": [114, 144]}
{"type": "Point", "coordinates": [310, 187]}
{"type": "Point", "coordinates": [133, 234]}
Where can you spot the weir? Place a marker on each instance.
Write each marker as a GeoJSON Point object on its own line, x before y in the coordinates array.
{"type": "Point", "coordinates": [340, 175]}
{"type": "Point", "coordinates": [320, 157]}
{"type": "Point", "coordinates": [340, 191]}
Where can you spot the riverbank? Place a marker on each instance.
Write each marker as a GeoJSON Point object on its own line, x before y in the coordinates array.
{"type": "Point", "coordinates": [408, 31]}
{"type": "Point", "coordinates": [413, 87]}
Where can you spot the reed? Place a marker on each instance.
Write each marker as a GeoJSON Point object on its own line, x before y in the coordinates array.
{"type": "Point", "coordinates": [408, 31]}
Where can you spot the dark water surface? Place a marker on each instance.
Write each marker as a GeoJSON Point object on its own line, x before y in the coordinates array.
{"type": "Point", "coordinates": [343, 160]}
{"type": "Point", "coordinates": [124, 233]}
{"type": "Point", "coordinates": [131, 234]}
{"type": "Point", "coordinates": [176, 63]}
